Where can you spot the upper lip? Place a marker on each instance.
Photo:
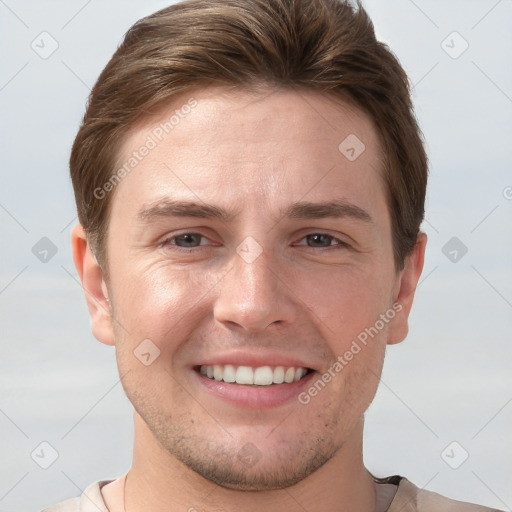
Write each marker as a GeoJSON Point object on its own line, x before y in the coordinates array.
{"type": "Point", "coordinates": [245, 358]}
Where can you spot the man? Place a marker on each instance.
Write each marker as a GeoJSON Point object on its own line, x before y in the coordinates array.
{"type": "Point", "coordinates": [250, 182]}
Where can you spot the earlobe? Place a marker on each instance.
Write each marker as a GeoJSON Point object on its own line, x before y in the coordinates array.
{"type": "Point", "coordinates": [406, 287]}
{"type": "Point", "coordinates": [94, 286]}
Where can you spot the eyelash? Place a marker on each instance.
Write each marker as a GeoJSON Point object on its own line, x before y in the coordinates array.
{"type": "Point", "coordinates": [168, 242]}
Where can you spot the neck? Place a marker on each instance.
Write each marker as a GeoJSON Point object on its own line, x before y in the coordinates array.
{"type": "Point", "coordinates": [159, 482]}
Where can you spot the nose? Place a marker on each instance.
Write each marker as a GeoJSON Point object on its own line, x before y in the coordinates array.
{"type": "Point", "coordinates": [254, 295]}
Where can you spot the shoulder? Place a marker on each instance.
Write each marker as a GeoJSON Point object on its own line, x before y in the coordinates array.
{"type": "Point", "coordinates": [410, 498]}
{"type": "Point", "coordinates": [91, 500]}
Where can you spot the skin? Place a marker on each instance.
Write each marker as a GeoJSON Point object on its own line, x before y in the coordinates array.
{"type": "Point", "coordinates": [303, 296]}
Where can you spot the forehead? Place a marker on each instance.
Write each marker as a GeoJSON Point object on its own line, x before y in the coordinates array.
{"type": "Point", "coordinates": [254, 148]}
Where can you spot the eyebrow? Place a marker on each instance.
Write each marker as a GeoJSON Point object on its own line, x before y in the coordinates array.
{"type": "Point", "coordinates": [299, 210]}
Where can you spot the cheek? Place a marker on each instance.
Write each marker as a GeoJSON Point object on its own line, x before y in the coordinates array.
{"type": "Point", "coordinates": [159, 302]}
{"type": "Point", "coordinates": [346, 302]}
{"type": "Point", "coordinates": [362, 377]}
{"type": "Point", "coordinates": [351, 308]}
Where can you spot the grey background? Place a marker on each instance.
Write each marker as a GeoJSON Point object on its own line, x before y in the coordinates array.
{"type": "Point", "coordinates": [449, 381]}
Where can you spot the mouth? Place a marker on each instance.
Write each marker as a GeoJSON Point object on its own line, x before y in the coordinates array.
{"type": "Point", "coordinates": [253, 376]}
{"type": "Point", "coordinates": [256, 387]}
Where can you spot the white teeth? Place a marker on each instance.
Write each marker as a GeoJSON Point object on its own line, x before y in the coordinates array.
{"type": "Point", "coordinates": [261, 376]}
{"type": "Point", "coordinates": [289, 375]}
{"type": "Point", "coordinates": [244, 375]}
{"type": "Point", "coordinates": [217, 372]}
{"type": "Point", "coordinates": [278, 375]}
{"type": "Point", "coordinates": [229, 373]}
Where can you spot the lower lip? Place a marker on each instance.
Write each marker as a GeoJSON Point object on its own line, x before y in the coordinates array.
{"type": "Point", "coordinates": [255, 397]}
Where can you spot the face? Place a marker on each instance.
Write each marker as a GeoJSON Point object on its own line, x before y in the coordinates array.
{"type": "Point", "coordinates": [247, 245]}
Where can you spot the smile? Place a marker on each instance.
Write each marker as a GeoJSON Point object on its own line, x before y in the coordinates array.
{"type": "Point", "coordinates": [260, 376]}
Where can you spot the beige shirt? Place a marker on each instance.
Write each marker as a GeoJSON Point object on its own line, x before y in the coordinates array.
{"type": "Point", "coordinates": [394, 494]}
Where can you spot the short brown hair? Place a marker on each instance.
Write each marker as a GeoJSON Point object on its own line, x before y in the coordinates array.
{"type": "Point", "coordinates": [325, 46]}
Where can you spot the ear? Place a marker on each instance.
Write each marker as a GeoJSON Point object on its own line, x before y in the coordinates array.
{"type": "Point", "coordinates": [407, 280]}
{"type": "Point", "coordinates": [94, 286]}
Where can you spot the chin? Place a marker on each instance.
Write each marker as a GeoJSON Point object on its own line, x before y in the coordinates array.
{"type": "Point", "coordinates": [249, 469]}
{"type": "Point", "coordinates": [266, 478]}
